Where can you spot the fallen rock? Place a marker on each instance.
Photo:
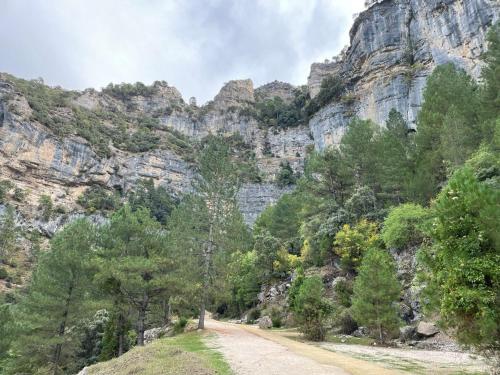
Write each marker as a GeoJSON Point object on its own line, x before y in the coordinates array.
{"type": "Point", "coordinates": [156, 333]}
{"type": "Point", "coordinates": [360, 332]}
{"type": "Point", "coordinates": [406, 333]}
{"type": "Point", "coordinates": [427, 329]}
{"type": "Point", "coordinates": [265, 322]}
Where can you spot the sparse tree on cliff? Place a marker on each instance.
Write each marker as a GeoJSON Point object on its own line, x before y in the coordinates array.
{"type": "Point", "coordinates": [8, 233]}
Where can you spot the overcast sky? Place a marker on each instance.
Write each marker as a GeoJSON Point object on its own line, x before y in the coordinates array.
{"type": "Point", "coordinates": [195, 45]}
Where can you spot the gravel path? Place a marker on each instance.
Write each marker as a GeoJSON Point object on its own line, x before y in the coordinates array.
{"type": "Point", "coordinates": [422, 361]}
{"type": "Point", "coordinates": [251, 351]}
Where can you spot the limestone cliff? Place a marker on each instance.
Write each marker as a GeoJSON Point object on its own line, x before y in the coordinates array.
{"type": "Point", "coordinates": [395, 44]}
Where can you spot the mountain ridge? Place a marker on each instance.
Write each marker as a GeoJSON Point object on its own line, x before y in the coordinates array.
{"type": "Point", "coordinates": [395, 44]}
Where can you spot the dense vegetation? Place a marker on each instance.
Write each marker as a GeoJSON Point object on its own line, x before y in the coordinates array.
{"type": "Point", "coordinates": [383, 190]}
{"type": "Point", "coordinates": [279, 113]}
{"type": "Point", "coordinates": [104, 126]}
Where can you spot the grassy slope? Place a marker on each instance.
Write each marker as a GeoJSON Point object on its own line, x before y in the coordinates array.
{"type": "Point", "coordinates": [184, 354]}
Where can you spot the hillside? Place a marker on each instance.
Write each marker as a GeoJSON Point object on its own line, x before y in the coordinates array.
{"type": "Point", "coordinates": [59, 143]}
{"type": "Point", "coordinates": [359, 207]}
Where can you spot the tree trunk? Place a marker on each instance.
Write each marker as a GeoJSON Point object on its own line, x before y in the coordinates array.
{"type": "Point", "coordinates": [206, 279]}
{"type": "Point", "coordinates": [204, 296]}
{"type": "Point", "coordinates": [62, 328]}
{"type": "Point", "coordinates": [121, 334]}
{"type": "Point", "coordinates": [142, 319]}
{"type": "Point", "coordinates": [167, 311]}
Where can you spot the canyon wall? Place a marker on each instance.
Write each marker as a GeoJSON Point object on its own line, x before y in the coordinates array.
{"type": "Point", "coordinates": [395, 45]}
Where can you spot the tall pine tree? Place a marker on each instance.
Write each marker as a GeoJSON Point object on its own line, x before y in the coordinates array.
{"type": "Point", "coordinates": [376, 293]}
{"type": "Point", "coordinates": [208, 225]}
{"type": "Point", "coordinates": [135, 262]}
{"type": "Point", "coordinates": [55, 301]}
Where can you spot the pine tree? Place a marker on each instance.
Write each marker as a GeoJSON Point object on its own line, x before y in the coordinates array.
{"type": "Point", "coordinates": [208, 224]}
{"type": "Point", "coordinates": [8, 233]}
{"type": "Point", "coordinates": [327, 176]}
{"type": "Point", "coordinates": [311, 308]}
{"type": "Point", "coordinates": [490, 98]}
{"type": "Point", "coordinates": [134, 258]}
{"type": "Point", "coordinates": [5, 333]}
{"type": "Point", "coordinates": [393, 159]}
{"type": "Point", "coordinates": [55, 301]}
{"type": "Point", "coordinates": [376, 292]}
{"type": "Point", "coordinates": [448, 128]}
{"type": "Point", "coordinates": [357, 149]}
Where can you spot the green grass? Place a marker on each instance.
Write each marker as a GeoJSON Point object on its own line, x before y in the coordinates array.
{"type": "Point", "coordinates": [183, 354]}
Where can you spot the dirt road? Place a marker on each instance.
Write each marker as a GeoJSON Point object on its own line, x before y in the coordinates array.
{"type": "Point", "coordinates": [251, 351]}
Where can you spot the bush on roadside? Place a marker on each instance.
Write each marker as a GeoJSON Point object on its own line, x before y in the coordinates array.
{"type": "Point", "coordinates": [180, 325]}
{"type": "Point", "coordinates": [276, 317]}
{"type": "Point", "coordinates": [312, 309]}
{"type": "Point", "coordinates": [253, 315]}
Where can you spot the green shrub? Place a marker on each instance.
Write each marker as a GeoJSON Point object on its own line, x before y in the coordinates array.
{"type": "Point", "coordinates": [19, 194]}
{"type": "Point", "coordinates": [180, 325]}
{"type": "Point", "coordinates": [402, 227]}
{"type": "Point", "coordinates": [253, 315]}
{"type": "Point", "coordinates": [343, 292]}
{"type": "Point", "coordinates": [276, 317]}
{"type": "Point", "coordinates": [5, 186]}
{"type": "Point", "coordinates": [141, 141]}
{"type": "Point", "coordinates": [286, 176]}
{"type": "Point", "coordinates": [98, 198]}
{"type": "Point", "coordinates": [343, 321]}
{"type": "Point", "coordinates": [3, 273]}
{"type": "Point", "coordinates": [311, 309]}
{"type": "Point", "coordinates": [331, 89]}
{"type": "Point", "coordinates": [276, 112]}
{"type": "Point", "coordinates": [124, 91]}
{"type": "Point", "coordinates": [46, 206]}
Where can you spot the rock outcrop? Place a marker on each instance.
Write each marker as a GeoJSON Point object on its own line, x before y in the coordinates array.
{"type": "Point", "coordinates": [395, 45]}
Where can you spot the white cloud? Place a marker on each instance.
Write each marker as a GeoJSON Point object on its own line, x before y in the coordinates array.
{"type": "Point", "coordinates": [194, 45]}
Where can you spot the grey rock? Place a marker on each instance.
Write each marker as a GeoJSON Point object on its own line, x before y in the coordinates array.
{"type": "Point", "coordinates": [274, 89]}
{"type": "Point", "coordinates": [427, 329]}
{"type": "Point", "coordinates": [155, 333]}
{"type": "Point", "coordinates": [265, 322]}
{"type": "Point", "coordinates": [407, 333]}
{"type": "Point", "coordinates": [360, 332]}
{"type": "Point", "coordinates": [337, 280]}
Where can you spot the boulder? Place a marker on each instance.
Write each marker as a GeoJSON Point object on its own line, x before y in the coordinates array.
{"type": "Point", "coordinates": [337, 280]}
{"type": "Point", "coordinates": [156, 333]}
{"type": "Point", "coordinates": [360, 332]}
{"type": "Point", "coordinates": [427, 329]}
{"type": "Point", "coordinates": [265, 322]}
{"type": "Point", "coordinates": [406, 333]}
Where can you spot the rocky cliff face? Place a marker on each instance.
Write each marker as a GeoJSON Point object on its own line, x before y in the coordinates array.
{"type": "Point", "coordinates": [395, 44]}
